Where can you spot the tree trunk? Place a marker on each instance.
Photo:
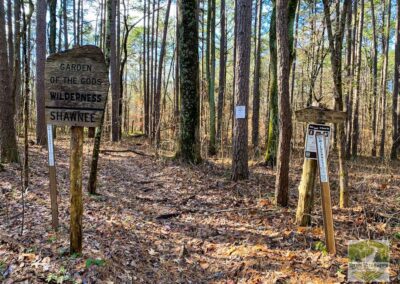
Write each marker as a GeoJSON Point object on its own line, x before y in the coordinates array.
{"type": "Point", "coordinates": [374, 80]}
{"type": "Point", "coordinates": [272, 139]}
{"type": "Point", "coordinates": [10, 40]}
{"type": "Point", "coordinates": [285, 12]}
{"type": "Point", "coordinates": [25, 40]}
{"type": "Point", "coordinates": [335, 46]}
{"type": "Point", "coordinates": [306, 193]}
{"type": "Point", "coordinates": [92, 182]}
{"type": "Point", "coordinates": [222, 72]}
{"type": "Point", "coordinates": [256, 81]}
{"type": "Point", "coordinates": [211, 73]}
{"type": "Point", "coordinates": [9, 148]}
{"type": "Point", "coordinates": [189, 140]}
{"type": "Point", "coordinates": [176, 86]}
{"type": "Point", "coordinates": [384, 80]}
{"type": "Point", "coordinates": [355, 128]}
{"type": "Point", "coordinates": [157, 97]}
{"type": "Point", "coordinates": [240, 167]}
{"type": "Point", "coordinates": [53, 25]}
{"type": "Point", "coordinates": [65, 19]}
{"type": "Point", "coordinates": [41, 137]}
{"type": "Point", "coordinates": [395, 104]}
{"type": "Point", "coordinates": [114, 74]}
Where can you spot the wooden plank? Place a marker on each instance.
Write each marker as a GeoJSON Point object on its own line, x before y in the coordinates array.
{"type": "Point", "coordinates": [75, 170]}
{"type": "Point", "coordinates": [320, 115]}
{"type": "Point", "coordinates": [325, 194]}
{"type": "Point", "coordinates": [76, 82]}
{"type": "Point", "coordinates": [73, 117]}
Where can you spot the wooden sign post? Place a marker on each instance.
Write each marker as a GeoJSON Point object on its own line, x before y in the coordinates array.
{"type": "Point", "coordinates": [76, 89]}
{"type": "Point", "coordinates": [316, 153]}
{"type": "Point", "coordinates": [53, 178]}
{"type": "Point", "coordinates": [325, 193]}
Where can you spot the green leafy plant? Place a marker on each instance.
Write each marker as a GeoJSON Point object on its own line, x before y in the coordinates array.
{"type": "Point", "coordinates": [320, 246]}
{"type": "Point", "coordinates": [397, 235]}
{"type": "Point", "coordinates": [61, 277]}
{"type": "Point", "coordinates": [75, 255]}
{"type": "Point", "coordinates": [92, 261]}
{"type": "Point", "coordinates": [52, 239]}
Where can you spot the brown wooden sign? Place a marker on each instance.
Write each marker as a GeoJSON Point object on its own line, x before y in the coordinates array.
{"type": "Point", "coordinates": [76, 87]}
{"type": "Point", "coordinates": [320, 115]}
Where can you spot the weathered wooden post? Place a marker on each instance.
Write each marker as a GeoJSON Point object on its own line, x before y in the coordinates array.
{"type": "Point", "coordinates": [325, 192]}
{"type": "Point", "coordinates": [53, 178]}
{"type": "Point", "coordinates": [76, 91]}
{"type": "Point", "coordinates": [320, 131]}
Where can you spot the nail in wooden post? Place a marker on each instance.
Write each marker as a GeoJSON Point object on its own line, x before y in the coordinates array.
{"type": "Point", "coordinates": [75, 169]}
{"type": "Point", "coordinates": [325, 193]}
{"type": "Point", "coordinates": [53, 178]}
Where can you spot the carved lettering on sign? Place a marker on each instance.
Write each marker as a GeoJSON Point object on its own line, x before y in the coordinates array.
{"type": "Point", "coordinates": [76, 87]}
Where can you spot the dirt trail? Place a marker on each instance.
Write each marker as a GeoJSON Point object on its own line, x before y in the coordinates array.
{"type": "Point", "coordinates": [158, 221]}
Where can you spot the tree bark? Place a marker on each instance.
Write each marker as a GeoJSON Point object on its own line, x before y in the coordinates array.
{"type": "Point", "coordinates": [395, 97]}
{"type": "Point", "coordinates": [157, 97]}
{"type": "Point", "coordinates": [284, 29]}
{"type": "Point", "coordinates": [41, 137]}
{"type": "Point", "coordinates": [114, 74]}
{"type": "Point", "coordinates": [374, 80]}
{"type": "Point", "coordinates": [355, 129]}
{"type": "Point", "coordinates": [256, 81]}
{"type": "Point", "coordinates": [189, 140]}
{"type": "Point", "coordinates": [240, 167]}
{"type": "Point", "coordinates": [384, 80]}
{"type": "Point", "coordinates": [53, 25]}
{"type": "Point", "coordinates": [306, 193]}
{"type": "Point", "coordinates": [65, 26]}
{"type": "Point", "coordinates": [222, 72]}
{"type": "Point", "coordinates": [335, 46]}
{"type": "Point", "coordinates": [9, 148]}
{"type": "Point", "coordinates": [272, 139]}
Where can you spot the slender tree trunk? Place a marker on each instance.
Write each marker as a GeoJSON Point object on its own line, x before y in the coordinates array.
{"type": "Point", "coordinates": [240, 168]}
{"type": "Point", "coordinates": [295, 54]}
{"type": "Point", "coordinates": [145, 95]}
{"type": "Point", "coordinates": [335, 46]}
{"type": "Point", "coordinates": [222, 72]}
{"type": "Point", "coordinates": [53, 25]}
{"type": "Point", "coordinates": [395, 97]}
{"type": "Point", "coordinates": [114, 74]}
{"type": "Point", "coordinates": [355, 128]}
{"type": "Point", "coordinates": [189, 141]}
{"type": "Point", "coordinates": [285, 12]}
{"type": "Point", "coordinates": [92, 182]}
{"type": "Point", "coordinates": [272, 140]}
{"type": "Point", "coordinates": [9, 148]}
{"type": "Point", "coordinates": [16, 78]}
{"type": "Point", "coordinates": [157, 97]}
{"type": "Point", "coordinates": [10, 41]}
{"type": "Point", "coordinates": [176, 93]}
{"type": "Point", "coordinates": [211, 73]}
{"type": "Point", "coordinates": [384, 80]}
{"type": "Point", "coordinates": [256, 81]}
{"type": "Point", "coordinates": [65, 26]}
{"type": "Point", "coordinates": [41, 8]}
{"type": "Point", "coordinates": [349, 74]}
{"type": "Point", "coordinates": [25, 40]}
{"type": "Point", "coordinates": [374, 80]}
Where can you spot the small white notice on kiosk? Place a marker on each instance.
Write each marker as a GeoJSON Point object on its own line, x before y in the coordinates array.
{"type": "Point", "coordinates": [240, 112]}
{"type": "Point", "coordinates": [311, 147]}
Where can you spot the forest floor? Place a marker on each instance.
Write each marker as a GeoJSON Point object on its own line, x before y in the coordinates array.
{"type": "Point", "coordinates": [156, 220]}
